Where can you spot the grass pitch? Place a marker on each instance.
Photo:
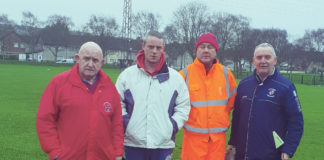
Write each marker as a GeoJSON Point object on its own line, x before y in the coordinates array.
{"type": "Point", "coordinates": [21, 87]}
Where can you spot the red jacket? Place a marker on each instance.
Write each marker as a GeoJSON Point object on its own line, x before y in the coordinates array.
{"type": "Point", "coordinates": [77, 125]}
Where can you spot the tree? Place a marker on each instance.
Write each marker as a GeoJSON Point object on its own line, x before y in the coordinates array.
{"type": "Point", "coordinates": [56, 33]}
{"type": "Point", "coordinates": [143, 22]}
{"type": "Point", "coordinates": [190, 21]}
{"type": "Point", "coordinates": [278, 39]}
{"type": "Point", "coordinates": [313, 43]}
{"type": "Point", "coordinates": [251, 38]}
{"type": "Point", "coordinates": [229, 29]}
{"type": "Point", "coordinates": [58, 19]}
{"type": "Point", "coordinates": [31, 24]}
{"type": "Point", "coordinates": [102, 26]}
{"type": "Point", "coordinates": [313, 40]}
{"type": "Point", "coordinates": [4, 20]}
{"type": "Point", "coordinates": [173, 49]}
{"type": "Point", "coordinates": [6, 23]}
{"type": "Point", "coordinates": [29, 20]}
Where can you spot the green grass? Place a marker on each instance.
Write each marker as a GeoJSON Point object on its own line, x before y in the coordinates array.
{"type": "Point", "coordinates": [21, 87]}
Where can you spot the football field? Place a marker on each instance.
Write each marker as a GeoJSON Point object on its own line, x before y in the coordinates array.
{"type": "Point", "coordinates": [21, 87]}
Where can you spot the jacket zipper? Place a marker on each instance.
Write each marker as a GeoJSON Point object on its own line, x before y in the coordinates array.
{"type": "Point", "coordinates": [147, 108]}
{"type": "Point", "coordinates": [247, 135]}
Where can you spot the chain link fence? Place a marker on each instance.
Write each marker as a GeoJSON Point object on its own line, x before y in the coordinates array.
{"type": "Point", "coordinates": [297, 78]}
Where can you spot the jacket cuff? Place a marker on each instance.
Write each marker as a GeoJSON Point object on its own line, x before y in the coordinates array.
{"type": "Point", "coordinates": [285, 150]}
{"type": "Point", "coordinates": [54, 153]}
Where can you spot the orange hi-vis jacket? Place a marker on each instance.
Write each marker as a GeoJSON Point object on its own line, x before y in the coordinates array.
{"type": "Point", "coordinates": [211, 96]}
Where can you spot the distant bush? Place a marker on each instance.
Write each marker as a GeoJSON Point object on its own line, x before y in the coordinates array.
{"type": "Point", "coordinates": [48, 63]}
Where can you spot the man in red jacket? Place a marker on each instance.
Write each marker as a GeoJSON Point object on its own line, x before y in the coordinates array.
{"type": "Point", "coordinates": [79, 116]}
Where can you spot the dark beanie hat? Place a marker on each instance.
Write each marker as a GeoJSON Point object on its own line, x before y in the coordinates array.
{"type": "Point", "coordinates": [207, 38]}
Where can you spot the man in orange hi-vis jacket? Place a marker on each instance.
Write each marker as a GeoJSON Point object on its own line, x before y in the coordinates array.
{"type": "Point", "coordinates": [212, 90]}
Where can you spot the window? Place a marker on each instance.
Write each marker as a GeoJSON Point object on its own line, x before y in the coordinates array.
{"type": "Point", "coordinates": [22, 45]}
{"type": "Point", "coordinates": [16, 44]}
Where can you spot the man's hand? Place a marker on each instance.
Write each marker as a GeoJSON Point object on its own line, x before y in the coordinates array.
{"type": "Point", "coordinates": [230, 153]}
{"type": "Point", "coordinates": [119, 158]}
{"type": "Point", "coordinates": [229, 147]}
{"type": "Point", "coordinates": [284, 156]}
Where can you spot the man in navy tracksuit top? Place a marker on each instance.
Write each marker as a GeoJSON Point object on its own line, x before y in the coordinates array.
{"type": "Point", "coordinates": [267, 120]}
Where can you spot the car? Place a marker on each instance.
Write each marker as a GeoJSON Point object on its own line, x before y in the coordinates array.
{"type": "Point", "coordinates": [65, 61]}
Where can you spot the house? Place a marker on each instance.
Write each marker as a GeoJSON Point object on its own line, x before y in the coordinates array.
{"type": "Point", "coordinates": [18, 44]}
{"type": "Point", "coordinates": [33, 44]}
{"type": "Point", "coordinates": [113, 48]}
{"type": "Point", "coordinates": [11, 45]}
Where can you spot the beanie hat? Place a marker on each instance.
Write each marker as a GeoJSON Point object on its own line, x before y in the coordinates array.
{"type": "Point", "coordinates": [207, 38]}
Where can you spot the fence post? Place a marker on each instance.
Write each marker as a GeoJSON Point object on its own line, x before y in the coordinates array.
{"type": "Point", "coordinates": [302, 79]}
{"type": "Point", "coordinates": [289, 75]}
{"type": "Point", "coordinates": [313, 80]}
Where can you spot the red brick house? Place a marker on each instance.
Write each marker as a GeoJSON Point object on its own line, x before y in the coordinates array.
{"type": "Point", "coordinates": [11, 44]}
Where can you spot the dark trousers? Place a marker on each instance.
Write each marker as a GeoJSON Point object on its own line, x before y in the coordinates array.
{"type": "Point", "coordinates": [134, 153]}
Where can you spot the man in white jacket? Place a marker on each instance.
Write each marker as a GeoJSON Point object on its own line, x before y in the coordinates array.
{"type": "Point", "coordinates": [155, 103]}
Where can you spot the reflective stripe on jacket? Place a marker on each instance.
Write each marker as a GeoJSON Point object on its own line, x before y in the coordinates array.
{"type": "Point", "coordinates": [211, 96]}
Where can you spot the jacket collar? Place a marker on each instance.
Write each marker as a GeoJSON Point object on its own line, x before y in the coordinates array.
{"type": "Point", "coordinates": [140, 58]}
{"type": "Point", "coordinates": [75, 79]}
{"type": "Point", "coordinates": [258, 79]}
{"type": "Point", "coordinates": [201, 66]}
{"type": "Point", "coordinates": [161, 71]}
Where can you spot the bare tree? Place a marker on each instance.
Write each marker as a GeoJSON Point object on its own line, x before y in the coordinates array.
{"type": "Point", "coordinates": [32, 38]}
{"type": "Point", "coordinates": [251, 38]}
{"type": "Point", "coordinates": [29, 20]}
{"type": "Point", "coordinates": [318, 38]}
{"type": "Point", "coordinates": [4, 20]}
{"type": "Point", "coordinates": [58, 19]}
{"type": "Point", "coordinates": [6, 24]}
{"type": "Point", "coordinates": [313, 43]}
{"type": "Point", "coordinates": [229, 29]}
{"type": "Point", "coordinates": [143, 22]}
{"type": "Point", "coordinates": [313, 40]}
{"type": "Point", "coordinates": [174, 48]}
{"type": "Point", "coordinates": [102, 26]}
{"type": "Point", "coordinates": [56, 33]}
{"type": "Point", "coordinates": [190, 21]}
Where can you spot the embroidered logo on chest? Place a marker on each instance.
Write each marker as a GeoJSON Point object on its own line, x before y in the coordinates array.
{"type": "Point", "coordinates": [271, 92]}
{"type": "Point", "coordinates": [107, 106]}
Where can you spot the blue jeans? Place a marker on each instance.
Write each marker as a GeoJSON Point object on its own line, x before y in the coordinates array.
{"type": "Point", "coordinates": [134, 153]}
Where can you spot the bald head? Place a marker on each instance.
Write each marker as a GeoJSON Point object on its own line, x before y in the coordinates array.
{"type": "Point", "coordinates": [90, 60]}
{"type": "Point", "coordinates": [90, 46]}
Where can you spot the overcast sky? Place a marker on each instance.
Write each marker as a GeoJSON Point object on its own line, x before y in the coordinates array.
{"type": "Point", "coordinates": [295, 16]}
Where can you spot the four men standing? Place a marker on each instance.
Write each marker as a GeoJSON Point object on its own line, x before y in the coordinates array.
{"type": "Point", "coordinates": [81, 114]}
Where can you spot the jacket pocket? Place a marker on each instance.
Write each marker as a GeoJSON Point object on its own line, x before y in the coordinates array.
{"type": "Point", "coordinates": [194, 90]}
{"type": "Point", "coordinates": [171, 112]}
{"type": "Point", "coordinates": [174, 130]}
{"type": "Point", "coordinates": [129, 103]}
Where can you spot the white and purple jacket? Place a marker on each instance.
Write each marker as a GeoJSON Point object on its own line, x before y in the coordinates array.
{"type": "Point", "coordinates": [154, 108]}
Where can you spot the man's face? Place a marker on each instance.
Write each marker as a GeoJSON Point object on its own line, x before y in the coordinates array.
{"type": "Point", "coordinates": [90, 61]}
{"type": "Point", "coordinates": [264, 61]}
{"type": "Point", "coordinates": [153, 48]}
{"type": "Point", "coordinates": [206, 53]}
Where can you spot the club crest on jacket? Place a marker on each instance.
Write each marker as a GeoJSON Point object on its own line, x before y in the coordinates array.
{"type": "Point", "coordinates": [271, 92]}
{"type": "Point", "coordinates": [107, 107]}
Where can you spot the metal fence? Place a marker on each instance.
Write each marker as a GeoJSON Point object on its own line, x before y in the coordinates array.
{"type": "Point", "coordinates": [297, 78]}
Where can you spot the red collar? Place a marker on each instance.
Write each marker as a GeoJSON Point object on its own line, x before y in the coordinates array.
{"type": "Point", "coordinates": [140, 62]}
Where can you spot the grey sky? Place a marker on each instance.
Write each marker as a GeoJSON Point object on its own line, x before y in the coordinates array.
{"type": "Point", "coordinates": [294, 16]}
